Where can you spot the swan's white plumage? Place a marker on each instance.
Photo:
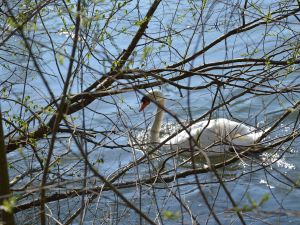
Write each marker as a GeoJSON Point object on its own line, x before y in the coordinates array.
{"type": "Point", "coordinates": [206, 133]}
{"type": "Point", "coordinates": [216, 132]}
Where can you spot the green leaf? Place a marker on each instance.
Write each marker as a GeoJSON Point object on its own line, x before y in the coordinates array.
{"type": "Point", "coordinates": [8, 204]}
{"type": "Point", "coordinates": [171, 215]}
{"type": "Point", "coordinates": [10, 21]}
{"type": "Point", "coordinates": [268, 17]}
{"type": "Point", "coordinates": [146, 52]}
{"type": "Point", "coordinates": [169, 40]}
{"type": "Point", "coordinates": [100, 160]}
{"type": "Point", "coordinates": [203, 5]}
{"type": "Point", "coordinates": [140, 22]}
{"type": "Point", "coordinates": [61, 59]}
{"type": "Point", "coordinates": [251, 201]}
{"type": "Point", "coordinates": [264, 199]}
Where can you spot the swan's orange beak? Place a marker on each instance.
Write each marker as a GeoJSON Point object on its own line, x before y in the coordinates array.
{"type": "Point", "coordinates": [144, 103]}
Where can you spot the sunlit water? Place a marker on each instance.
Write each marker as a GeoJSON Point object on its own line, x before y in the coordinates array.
{"type": "Point", "coordinates": [246, 177]}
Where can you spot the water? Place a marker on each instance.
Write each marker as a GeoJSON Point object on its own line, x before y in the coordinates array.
{"type": "Point", "coordinates": [110, 120]}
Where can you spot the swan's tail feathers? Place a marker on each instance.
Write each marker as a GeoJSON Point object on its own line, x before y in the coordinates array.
{"type": "Point", "coordinates": [247, 139]}
{"type": "Point", "coordinates": [251, 140]}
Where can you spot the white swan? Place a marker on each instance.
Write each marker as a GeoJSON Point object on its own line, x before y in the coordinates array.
{"type": "Point", "coordinates": [207, 133]}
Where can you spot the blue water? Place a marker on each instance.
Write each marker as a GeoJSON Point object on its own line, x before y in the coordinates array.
{"type": "Point", "coordinates": [111, 120]}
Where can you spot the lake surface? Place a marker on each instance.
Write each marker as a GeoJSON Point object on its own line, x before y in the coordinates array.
{"type": "Point", "coordinates": [110, 121]}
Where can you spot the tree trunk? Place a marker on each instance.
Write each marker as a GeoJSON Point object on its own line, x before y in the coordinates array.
{"type": "Point", "coordinates": [6, 217]}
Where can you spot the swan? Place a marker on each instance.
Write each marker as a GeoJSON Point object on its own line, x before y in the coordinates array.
{"type": "Point", "coordinates": [206, 133]}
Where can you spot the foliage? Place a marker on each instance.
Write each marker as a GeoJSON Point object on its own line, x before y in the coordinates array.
{"type": "Point", "coordinates": [73, 73]}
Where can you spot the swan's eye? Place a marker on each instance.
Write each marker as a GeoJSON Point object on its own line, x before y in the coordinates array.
{"type": "Point", "coordinates": [144, 102]}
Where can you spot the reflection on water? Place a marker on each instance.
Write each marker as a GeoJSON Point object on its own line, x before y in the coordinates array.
{"type": "Point", "coordinates": [252, 175]}
{"type": "Point", "coordinates": [271, 158]}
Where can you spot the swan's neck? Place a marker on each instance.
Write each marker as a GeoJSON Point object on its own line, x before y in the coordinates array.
{"type": "Point", "coordinates": [156, 126]}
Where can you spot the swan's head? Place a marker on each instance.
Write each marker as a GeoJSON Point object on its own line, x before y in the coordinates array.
{"type": "Point", "coordinates": [152, 96]}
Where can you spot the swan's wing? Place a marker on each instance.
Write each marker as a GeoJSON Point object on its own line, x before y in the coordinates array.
{"type": "Point", "coordinates": [203, 134]}
{"type": "Point", "coordinates": [215, 132]}
{"type": "Point", "coordinates": [237, 133]}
